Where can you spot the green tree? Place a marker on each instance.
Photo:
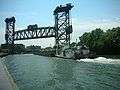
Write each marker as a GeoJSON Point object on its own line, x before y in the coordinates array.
{"type": "Point", "coordinates": [102, 42]}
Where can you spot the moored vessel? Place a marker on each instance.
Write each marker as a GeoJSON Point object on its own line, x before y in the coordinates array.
{"type": "Point", "coordinates": [78, 52]}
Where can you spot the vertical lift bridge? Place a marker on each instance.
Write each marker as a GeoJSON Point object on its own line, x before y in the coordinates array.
{"type": "Point", "coordinates": [61, 30]}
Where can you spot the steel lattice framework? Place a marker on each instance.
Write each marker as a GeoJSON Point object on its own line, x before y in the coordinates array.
{"type": "Point", "coordinates": [9, 33]}
{"type": "Point", "coordinates": [62, 26]}
{"type": "Point", "coordinates": [42, 32]}
{"type": "Point", "coordinates": [10, 29]}
{"type": "Point", "coordinates": [61, 31]}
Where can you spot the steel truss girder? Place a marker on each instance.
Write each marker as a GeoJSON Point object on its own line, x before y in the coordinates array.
{"type": "Point", "coordinates": [42, 32]}
{"type": "Point", "coordinates": [61, 31]}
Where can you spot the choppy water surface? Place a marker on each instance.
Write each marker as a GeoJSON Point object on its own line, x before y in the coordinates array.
{"type": "Point", "coordinates": [32, 72]}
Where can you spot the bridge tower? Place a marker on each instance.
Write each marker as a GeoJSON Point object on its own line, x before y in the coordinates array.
{"type": "Point", "coordinates": [9, 33]}
{"type": "Point", "coordinates": [63, 27]}
{"type": "Point", "coordinates": [10, 29]}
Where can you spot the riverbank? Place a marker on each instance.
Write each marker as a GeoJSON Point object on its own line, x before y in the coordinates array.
{"type": "Point", "coordinates": [6, 81]}
{"type": "Point", "coordinates": [94, 56]}
{"type": "Point", "coordinates": [110, 56]}
{"type": "Point", "coordinates": [3, 54]}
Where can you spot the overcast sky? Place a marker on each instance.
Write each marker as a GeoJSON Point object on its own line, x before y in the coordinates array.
{"type": "Point", "coordinates": [86, 16]}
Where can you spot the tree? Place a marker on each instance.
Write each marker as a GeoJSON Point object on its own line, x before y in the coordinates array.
{"type": "Point", "coordinates": [102, 42]}
{"type": "Point", "coordinates": [73, 44]}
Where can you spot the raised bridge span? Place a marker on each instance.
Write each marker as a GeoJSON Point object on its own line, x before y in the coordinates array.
{"type": "Point", "coordinates": [33, 33]}
{"type": "Point", "coordinates": [60, 31]}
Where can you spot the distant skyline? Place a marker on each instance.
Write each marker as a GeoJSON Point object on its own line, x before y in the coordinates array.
{"type": "Point", "coordinates": [86, 15]}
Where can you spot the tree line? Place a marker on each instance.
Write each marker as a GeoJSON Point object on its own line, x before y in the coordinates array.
{"type": "Point", "coordinates": [101, 41]}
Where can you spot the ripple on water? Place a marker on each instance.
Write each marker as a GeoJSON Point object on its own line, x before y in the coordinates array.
{"type": "Point", "coordinates": [101, 60]}
{"type": "Point", "coordinates": [32, 72]}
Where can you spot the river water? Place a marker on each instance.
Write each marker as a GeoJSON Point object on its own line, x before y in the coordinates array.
{"type": "Point", "coordinates": [32, 72]}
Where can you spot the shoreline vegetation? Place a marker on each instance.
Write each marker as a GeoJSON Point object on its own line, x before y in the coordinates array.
{"type": "Point", "coordinates": [101, 42]}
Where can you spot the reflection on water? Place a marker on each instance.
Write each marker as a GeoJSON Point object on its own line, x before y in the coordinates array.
{"type": "Point", "coordinates": [32, 72]}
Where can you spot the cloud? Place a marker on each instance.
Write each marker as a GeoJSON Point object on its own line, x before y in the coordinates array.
{"type": "Point", "coordinates": [82, 26]}
{"type": "Point", "coordinates": [44, 42]}
{"type": "Point", "coordinates": [29, 18]}
{"type": "Point", "coordinates": [79, 27]}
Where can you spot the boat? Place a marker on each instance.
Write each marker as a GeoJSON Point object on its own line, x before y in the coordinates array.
{"type": "Point", "coordinates": [78, 52]}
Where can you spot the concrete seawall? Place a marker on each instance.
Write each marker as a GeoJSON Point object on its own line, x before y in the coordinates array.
{"type": "Point", "coordinates": [6, 81]}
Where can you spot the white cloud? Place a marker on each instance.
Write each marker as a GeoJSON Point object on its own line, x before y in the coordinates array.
{"type": "Point", "coordinates": [80, 27]}
{"type": "Point", "coordinates": [44, 42]}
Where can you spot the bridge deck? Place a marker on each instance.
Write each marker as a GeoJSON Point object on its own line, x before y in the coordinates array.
{"type": "Point", "coordinates": [42, 32]}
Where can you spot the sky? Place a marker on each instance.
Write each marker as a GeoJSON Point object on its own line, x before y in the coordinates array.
{"type": "Point", "coordinates": [86, 15]}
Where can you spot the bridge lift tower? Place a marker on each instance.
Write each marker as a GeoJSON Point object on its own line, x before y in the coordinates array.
{"type": "Point", "coordinates": [9, 33]}
{"type": "Point", "coordinates": [61, 30]}
{"type": "Point", "coordinates": [63, 27]}
{"type": "Point", "coordinates": [10, 29]}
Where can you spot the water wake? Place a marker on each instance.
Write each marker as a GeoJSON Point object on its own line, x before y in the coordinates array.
{"type": "Point", "coordinates": [101, 60]}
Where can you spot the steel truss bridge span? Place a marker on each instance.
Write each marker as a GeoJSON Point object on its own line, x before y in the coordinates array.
{"type": "Point", "coordinates": [61, 30]}
{"type": "Point", "coordinates": [41, 32]}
